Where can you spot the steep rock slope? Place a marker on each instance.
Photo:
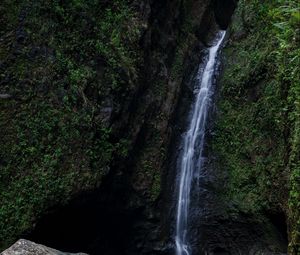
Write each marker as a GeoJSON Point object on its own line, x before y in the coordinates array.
{"type": "Point", "coordinates": [257, 130]}
{"type": "Point", "coordinates": [87, 92]}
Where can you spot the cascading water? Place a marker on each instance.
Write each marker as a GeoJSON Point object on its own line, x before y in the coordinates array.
{"type": "Point", "coordinates": [193, 143]}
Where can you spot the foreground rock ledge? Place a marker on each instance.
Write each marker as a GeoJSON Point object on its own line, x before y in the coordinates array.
{"type": "Point", "coordinates": [25, 247]}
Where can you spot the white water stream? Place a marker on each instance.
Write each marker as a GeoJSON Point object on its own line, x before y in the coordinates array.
{"type": "Point", "coordinates": [194, 140]}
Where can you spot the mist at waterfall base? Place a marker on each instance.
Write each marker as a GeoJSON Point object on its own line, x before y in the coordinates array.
{"type": "Point", "coordinates": [191, 158]}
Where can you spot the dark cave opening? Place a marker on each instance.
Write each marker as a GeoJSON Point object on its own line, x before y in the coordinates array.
{"type": "Point", "coordinates": [86, 224]}
{"type": "Point", "coordinates": [278, 220]}
{"type": "Point", "coordinates": [75, 228]}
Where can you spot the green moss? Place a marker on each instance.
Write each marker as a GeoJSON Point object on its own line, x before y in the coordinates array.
{"type": "Point", "coordinates": [45, 158]}
{"type": "Point", "coordinates": [258, 128]}
{"type": "Point", "coordinates": [55, 143]}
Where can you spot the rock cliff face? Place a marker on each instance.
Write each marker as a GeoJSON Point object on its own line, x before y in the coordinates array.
{"type": "Point", "coordinates": [92, 87]}
{"type": "Point", "coordinates": [93, 97]}
{"type": "Point", "coordinates": [255, 136]}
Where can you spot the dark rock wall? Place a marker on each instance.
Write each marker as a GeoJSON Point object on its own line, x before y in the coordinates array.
{"type": "Point", "coordinates": [93, 98]}
{"type": "Point", "coordinates": [255, 142]}
{"type": "Point", "coordinates": [92, 91]}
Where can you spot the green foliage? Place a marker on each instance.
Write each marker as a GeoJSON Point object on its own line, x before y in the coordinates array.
{"type": "Point", "coordinates": [46, 156]}
{"type": "Point", "coordinates": [258, 129]}
{"type": "Point", "coordinates": [67, 65]}
{"type": "Point", "coordinates": [55, 139]}
{"type": "Point", "coordinates": [286, 19]}
{"type": "Point", "coordinates": [119, 30]}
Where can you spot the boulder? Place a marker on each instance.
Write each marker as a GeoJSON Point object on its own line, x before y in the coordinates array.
{"type": "Point", "coordinates": [25, 247]}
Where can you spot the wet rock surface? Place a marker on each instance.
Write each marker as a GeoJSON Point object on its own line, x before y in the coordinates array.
{"type": "Point", "coordinates": [131, 208]}
{"type": "Point", "coordinates": [219, 226]}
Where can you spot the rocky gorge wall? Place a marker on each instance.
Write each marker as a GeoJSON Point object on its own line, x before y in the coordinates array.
{"type": "Point", "coordinates": [91, 94]}
{"type": "Point", "coordinates": [256, 136]}
{"type": "Point", "coordinates": [88, 90]}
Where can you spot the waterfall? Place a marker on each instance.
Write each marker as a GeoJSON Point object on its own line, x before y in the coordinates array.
{"type": "Point", "coordinates": [193, 143]}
